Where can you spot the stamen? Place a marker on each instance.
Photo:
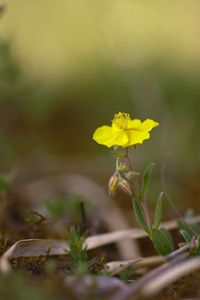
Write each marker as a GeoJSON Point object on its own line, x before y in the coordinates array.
{"type": "Point", "coordinates": [121, 115]}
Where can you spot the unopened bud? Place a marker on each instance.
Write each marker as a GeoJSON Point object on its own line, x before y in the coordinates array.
{"type": "Point", "coordinates": [113, 183]}
{"type": "Point", "coordinates": [125, 186]}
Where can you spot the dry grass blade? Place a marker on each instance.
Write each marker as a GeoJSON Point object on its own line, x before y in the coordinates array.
{"type": "Point", "coordinates": [115, 267]}
{"type": "Point", "coordinates": [39, 247]}
{"type": "Point", "coordinates": [76, 184]}
{"type": "Point", "coordinates": [135, 233]}
{"type": "Point", "coordinates": [32, 248]}
{"type": "Point", "coordinates": [171, 275]}
{"type": "Point", "coordinates": [161, 277]}
{"type": "Point", "coordinates": [147, 284]}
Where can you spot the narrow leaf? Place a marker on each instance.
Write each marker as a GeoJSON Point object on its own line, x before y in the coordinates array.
{"type": "Point", "coordinates": [139, 214]}
{"type": "Point", "coordinates": [184, 226]}
{"type": "Point", "coordinates": [158, 211]}
{"type": "Point", "coordinates": [188, 216]}
{"type": "Point", "coordinates": [167, 235]}
{"type": "Point", "coordinates": [185, 235]}
{"type": "Point", "coordinates": [162, 241]}
{"type": "Point", "coordinates": [147, 179]}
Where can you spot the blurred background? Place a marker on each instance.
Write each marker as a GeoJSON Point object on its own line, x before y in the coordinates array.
{"type": "Point", "coordinates": [66, 67]}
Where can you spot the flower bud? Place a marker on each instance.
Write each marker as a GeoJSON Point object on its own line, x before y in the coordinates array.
{"type": "Point", "coordinates": [125, 186]}
{"type": "Point", "coordinates": [113, 183]}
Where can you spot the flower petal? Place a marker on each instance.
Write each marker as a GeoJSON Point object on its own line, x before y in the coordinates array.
{"type": "Point", "coordinates": [133, 124]}
{"type": "Point", "coordinates": [147, 125]}
{"type": "Point", "coordinates": [106, 135]}
{"type": "Point", "coordinates": [136, 137]}
{"type": "Point", "coordinates": [121, 140]}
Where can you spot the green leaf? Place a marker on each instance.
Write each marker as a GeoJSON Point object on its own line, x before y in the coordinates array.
{"type": "Point", "coordinates": [139, 214]}
{"type": "Point", "coordinates": [184, 226]}
{"type": "Point", "coordinates": [185, 235]}
{"type": "Point", "coordinates": [146, 180]}
{"type": "Point", "coordinates": [158, 211]}
{"type": "Point", "coordinates": [162, 241]}
{"type": "Point", "coordinates": [168, 235]}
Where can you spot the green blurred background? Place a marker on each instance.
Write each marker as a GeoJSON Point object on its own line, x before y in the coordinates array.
{"type": "Point", "coordinates": [67, 66]}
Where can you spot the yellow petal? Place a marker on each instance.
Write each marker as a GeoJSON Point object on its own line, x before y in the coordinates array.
{"type": "Point", "coordinates": [136, 137]}
{"type": "Point", "coordinates": [109, 137]}
{"type": "Point", "coordinates": [133, 124]}
{"type": "Point", "coordinates": [121, 140]}
{"type": "Point", "coordinates": [147, 125]}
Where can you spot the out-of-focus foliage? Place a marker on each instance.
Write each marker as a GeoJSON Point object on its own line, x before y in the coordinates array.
{"type": "Point", "coordinates": [19, 289]}
{"type": "Point", "coordinates": [68, 205]}
{"type": "Point", "coordinates": [67, 67]}
{"type": "Point", "coordinates": [65, 37]}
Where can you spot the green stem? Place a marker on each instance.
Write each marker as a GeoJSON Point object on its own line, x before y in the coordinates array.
{"type": "Point", "coordinates": [134, 182]}
{"type": "Point", "coordinates": [128, 159]}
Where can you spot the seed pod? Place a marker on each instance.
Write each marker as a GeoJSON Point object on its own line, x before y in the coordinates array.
{"type": "Point", "coordinates": [125, 186]}
{"type": "Point", "coordinates": [113, 183]}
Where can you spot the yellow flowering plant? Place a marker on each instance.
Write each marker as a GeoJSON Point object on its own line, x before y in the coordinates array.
{"type": "Point", "coordinates": [123, 134]}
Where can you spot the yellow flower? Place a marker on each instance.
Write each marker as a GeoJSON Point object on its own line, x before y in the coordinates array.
{"type": "Point", "coordinates": [124, 131]}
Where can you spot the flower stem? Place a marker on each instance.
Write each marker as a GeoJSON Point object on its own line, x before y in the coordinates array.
{"type": "Point", "coordinates": [136, 188]}
{"type": "Point", "coordinates": [134, 182]}
{"type": "Point", "coordinates": [128, 159]}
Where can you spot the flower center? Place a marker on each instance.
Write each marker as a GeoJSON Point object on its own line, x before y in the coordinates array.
{"type": "Point", "coordinates": [121, 120]}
